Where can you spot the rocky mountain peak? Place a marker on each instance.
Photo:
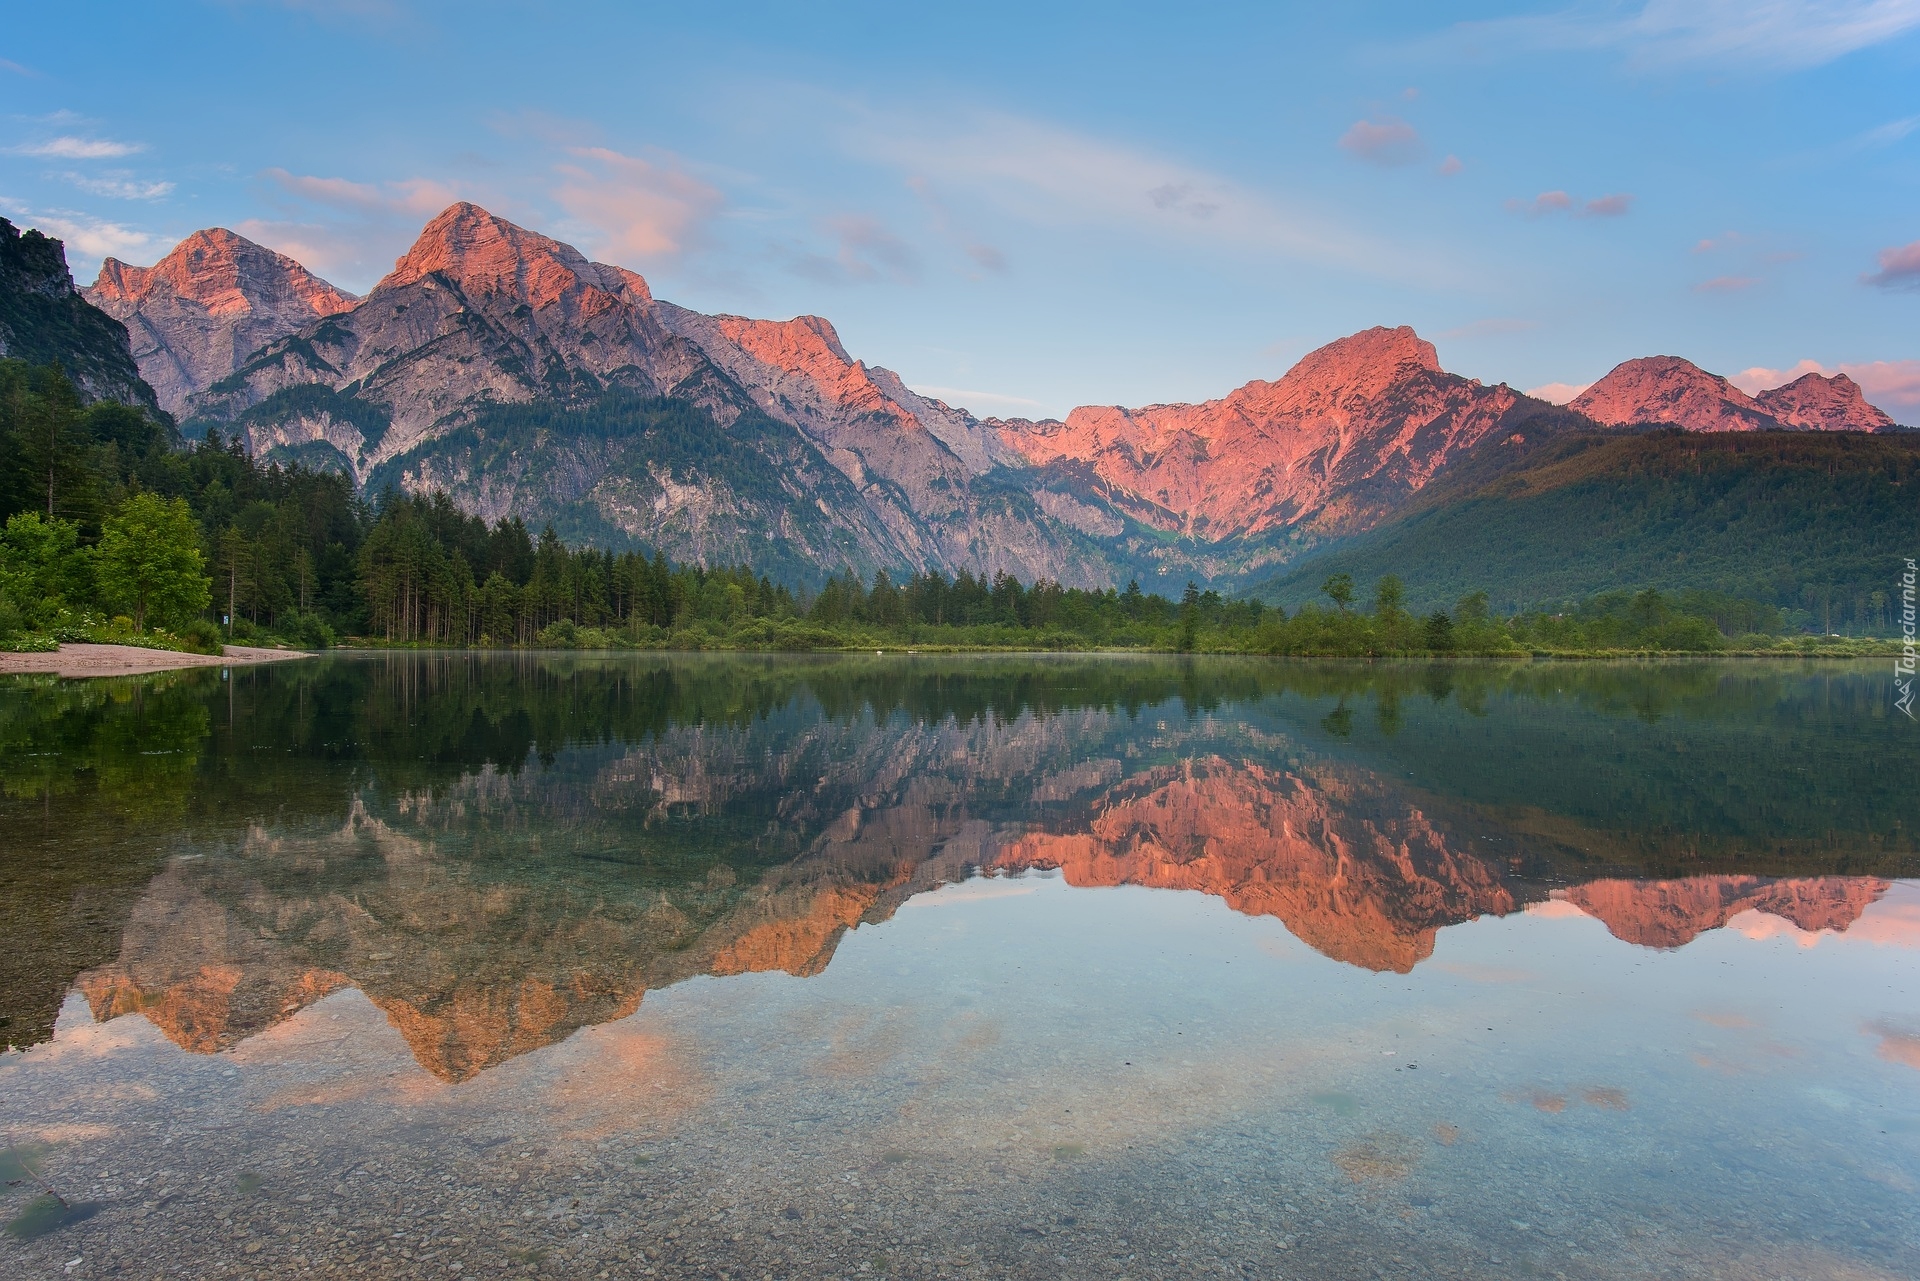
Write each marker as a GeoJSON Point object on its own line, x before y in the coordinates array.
{"type": "Point", "coordinates": [225, 273]}
{"type": "Point", "coordinates": [195, 315]}
{"type": "Point", "coordinates": [487, 256]}
{"type": "Point", "coordinates": [1668, 389]}
{"type": "Point", "coordinates": [1365, 364]}
{"type": "Point", "coordinates": [1821, 403]}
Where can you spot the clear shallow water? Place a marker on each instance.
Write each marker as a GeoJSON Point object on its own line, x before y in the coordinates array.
{"type": "Point", "coordinates": [434, 965]}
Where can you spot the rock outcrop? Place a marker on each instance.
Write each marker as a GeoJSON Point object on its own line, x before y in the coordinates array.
{"type": "Point", "coordinates": [1351, 868]}
{"type": "Point", "coordinates": [1667, 389]}
{"type": "Point", "coordinates": [1817, 402]}
{"type": "Point", "coordinates": [44, 320]}
{"type": "Point", "coordinates": [715, 439]}
{"type": "Point", "coordinates": [1331, 447]}
{"type": "Point", "coordinates": [198, 313]}
{"type": "Point", "coordinates": [1672, 913]}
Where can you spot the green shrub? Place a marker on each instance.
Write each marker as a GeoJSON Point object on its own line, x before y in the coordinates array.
{"type": "Point", "coordinates": [201, 636]}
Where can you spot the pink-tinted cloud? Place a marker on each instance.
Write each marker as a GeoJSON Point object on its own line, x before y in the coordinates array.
{"type": "Point", "coordinates": [1894, 385]}
{"type": "Point", "coordinates": [417, 197]}
{"type": "Point", "coordinates": [1450, 166]}
{"type": "Point", "coordinates": [1557, 393]}
{"type": "Point", "coordinates": [1560, 202]}
{"type": "Point", "coordinates": [1547, 202]}
{"type": "Point", "coordinates": [1897, 1044]}
{"type": "Point", "coordinates": [1899, 268]}
{"type": "Point", "coordinates": [1384, 140]}
{"type": "Point", "coordinates": [642, 210]}
{"type": "Point", "coordinates": [1726, 285]}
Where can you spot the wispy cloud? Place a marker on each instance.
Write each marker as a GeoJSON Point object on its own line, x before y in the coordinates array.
{"type": "Point", "coordinates": [1726, 285]}
{"type": "Point", "coordinates": [1899, 268]}
{"type": "Point", "coordinates": [1548, 203]}
{"type": "Point", "coordinates": [1450, 166]}
{"type": "Point", "coordinates": [1051, 176]}
{"type": "Point", "coordinates": [865, 252]}
{"type": "Point", "coordinates": [640, 210]}
{"type": "Point", "coordinates": [9, 65]}
{"type": "Point", "coordinates": [75, 148]}
{"type": "Point", "coordinates": [1894, 385]}
{"type": "Point", "coordinates": [345, 230]}
{"type": "Point", "coordinates": [1886, 135]}
{"type": "Point", "coordinates": [120, 186]}
{"type": "Point", "coordinates": [1383, 140]}
{"type": "Point", "coordinates": [415, 196]}
{"type": "Point", "coordinates": [982, 255]}
{"type": "Point", "coordinates": [965, 398]}
{"type": "Point", "coordinates": [1760, 35]}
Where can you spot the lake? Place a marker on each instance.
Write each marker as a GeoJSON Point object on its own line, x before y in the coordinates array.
{"type": "Point", "coordinates": [639, 965]}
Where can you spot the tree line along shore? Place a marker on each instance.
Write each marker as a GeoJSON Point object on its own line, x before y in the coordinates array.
{"type": "Point", "coordinates": [115, 532]}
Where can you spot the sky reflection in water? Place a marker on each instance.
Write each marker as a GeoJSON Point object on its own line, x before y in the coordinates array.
{"type": "Point", "coordinates": [1592, 970]}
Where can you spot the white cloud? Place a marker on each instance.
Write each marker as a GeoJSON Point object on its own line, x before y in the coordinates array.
{"type": "Point", "coordinates": [1886, 135]}
{"type": "Point", "coordinates": [1741, 34]}
{"type": "Point", "coordinates": [74, 148]}
{"type": "Point", "coordinates": [1894, 385]}
{"type": "Point", "coordinates": [639, 210]}
{"type": "Point", "coordinates": [964, 398]}
{"type": "Point", "coordinates": [1051, 176]}
{"type": "Point", "coordinates": [1557, 393]}
{"type": "Point", "coordinates": [86, 237]}
{"type": "Point", "coordinates": [120, 186]}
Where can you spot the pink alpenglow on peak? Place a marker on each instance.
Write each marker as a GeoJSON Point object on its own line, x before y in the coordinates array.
{"type": "Point", "coordinates": [1820, 403]}
{"type": "Point", "coordinates": [195, 315]}
{"type": "Point", "coordinates": [1352, 428]}
{"type": "Point", "coordinates": [1667, 389]}
{"type": "Point", "coordinates": [487, 256]}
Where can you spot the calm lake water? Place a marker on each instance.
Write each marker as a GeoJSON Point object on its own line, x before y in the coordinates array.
{"type": "Point", "coordinates": [445, 965]}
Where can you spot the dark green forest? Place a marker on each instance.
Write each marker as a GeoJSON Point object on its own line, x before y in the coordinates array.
{"type": "Point", "coordinates": [1814, 524]}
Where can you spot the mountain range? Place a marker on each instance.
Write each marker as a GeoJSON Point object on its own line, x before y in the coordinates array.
{"type": "Point", "coordinates": [504, 367]}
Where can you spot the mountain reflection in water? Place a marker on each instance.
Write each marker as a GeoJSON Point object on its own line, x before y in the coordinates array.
{"type": "Point", "coordinates": [501, 851]}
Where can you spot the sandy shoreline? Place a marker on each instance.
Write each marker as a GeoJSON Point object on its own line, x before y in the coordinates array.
{"type": "Point", "coordinates": [131, 660]}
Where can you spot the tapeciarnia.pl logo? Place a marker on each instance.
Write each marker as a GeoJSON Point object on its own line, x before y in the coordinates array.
{"type": "Point", "coordinates": [1903, 665]}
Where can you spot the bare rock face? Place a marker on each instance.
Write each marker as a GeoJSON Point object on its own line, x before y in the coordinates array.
{"type": "Point", "coordinates": [1819, 403]}
{"type": "Point", "coordinates": [45, 320]}
{"type": "Point", "coordinates": [1351, 868]}
{"type": "Point", "coordinates": [1673, 913]}
{"type": "Point", "coordinates": [1332, 446]}
{"type": "Point", "coordinates": [478, 311]}
{"type": "Point", "coordinates": [1667, 389]}
{"type": "Point", "coordinates": [891, 443]}
{"type": "Point", "coordinates": [195, 315]}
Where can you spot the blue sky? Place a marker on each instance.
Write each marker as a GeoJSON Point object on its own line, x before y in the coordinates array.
{"type": "Point", "coordinates": [1024, 207]}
